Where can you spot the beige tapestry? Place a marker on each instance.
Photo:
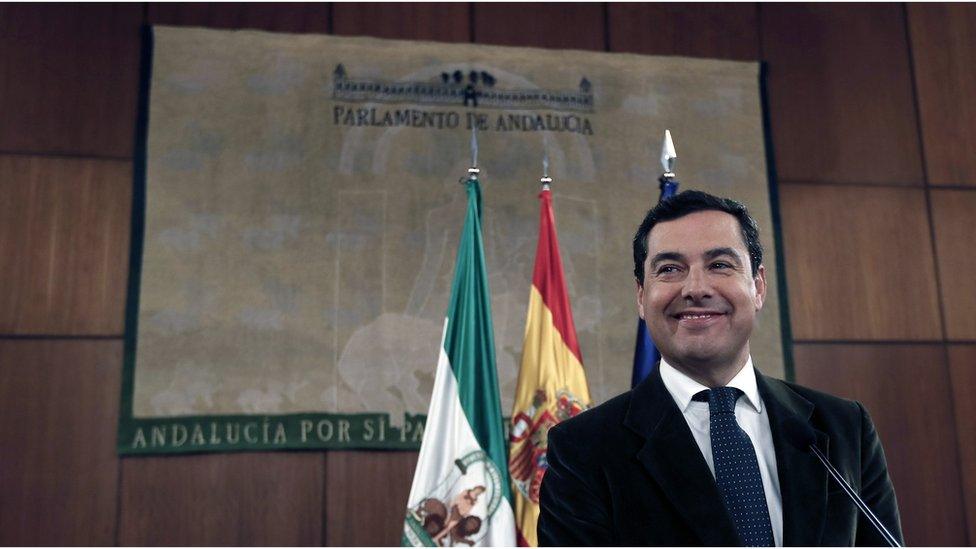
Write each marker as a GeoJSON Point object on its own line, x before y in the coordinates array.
{"type": "Point", "coordinates": [302, 212]}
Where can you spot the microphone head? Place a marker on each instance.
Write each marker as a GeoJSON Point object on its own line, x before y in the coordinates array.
{"type": "Point", "coordinates": [799, 433]}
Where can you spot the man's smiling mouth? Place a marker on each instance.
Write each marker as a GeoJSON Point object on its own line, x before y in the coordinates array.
{"type": "Point", "coordinates": [697, 320]}
{"type": "Point", "coordinates": [697, 315]}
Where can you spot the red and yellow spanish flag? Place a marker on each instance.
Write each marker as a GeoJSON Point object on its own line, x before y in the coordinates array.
{"type": "Point", "coordinates": [551, 383]}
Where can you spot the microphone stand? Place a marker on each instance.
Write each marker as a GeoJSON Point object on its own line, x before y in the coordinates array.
{"type": "Point", "coordinates": [892, 542]}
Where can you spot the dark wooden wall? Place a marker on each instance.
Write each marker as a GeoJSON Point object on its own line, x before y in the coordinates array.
{"type": "Point", "coordinates": [873, 130]}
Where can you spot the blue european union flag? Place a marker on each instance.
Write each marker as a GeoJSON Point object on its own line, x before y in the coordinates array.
{"type": "Point", "coordinates": [645, 353]}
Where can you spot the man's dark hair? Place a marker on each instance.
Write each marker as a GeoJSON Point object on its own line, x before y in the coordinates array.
{"type": "Point", "coordinates": [689, 202]}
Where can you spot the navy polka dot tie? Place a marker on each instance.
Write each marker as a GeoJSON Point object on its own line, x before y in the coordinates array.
{"type": "Point", "coordinates": [736, 468]}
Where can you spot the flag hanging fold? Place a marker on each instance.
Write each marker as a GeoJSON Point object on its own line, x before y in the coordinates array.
{"type": "Point", "coordinates": [460, 493]}
{"type": "Point", "coordinates": [645, 353]}
{"type": "Point", "coordinates": [551, 384]}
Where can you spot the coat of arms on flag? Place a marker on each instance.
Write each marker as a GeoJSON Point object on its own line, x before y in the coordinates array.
{"type": "Point", "coordinates": [454, 512]}
{"type": "Point", "coordinates": [528, 439]}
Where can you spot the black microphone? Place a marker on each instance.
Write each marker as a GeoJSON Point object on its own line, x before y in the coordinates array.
{"type": "Point", "coordinates": [801, 435]}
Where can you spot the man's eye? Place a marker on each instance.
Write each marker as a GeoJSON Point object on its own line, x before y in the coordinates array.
{"type": "Point", "coordinates": [666, 269]}
{"type": "Point", "coordinates": [721, 265]}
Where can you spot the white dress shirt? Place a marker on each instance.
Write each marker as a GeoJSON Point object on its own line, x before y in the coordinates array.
{"type": "Point", "coordinates": [752, 418]}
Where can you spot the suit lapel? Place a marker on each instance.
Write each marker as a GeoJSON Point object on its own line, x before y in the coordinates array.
{"type": "Point", "coordinates": [802, 478]}
{"type": "Point", "coordinates": [672, 457]}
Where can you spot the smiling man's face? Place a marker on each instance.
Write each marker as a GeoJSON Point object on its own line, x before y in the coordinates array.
{"type": "Point", "coordinates": [700, 297]}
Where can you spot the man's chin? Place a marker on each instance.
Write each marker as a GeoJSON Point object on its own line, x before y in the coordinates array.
{"type": "Point", "coordinates": [701, 355]}
{"type": "Point", "coordinates": [699, 359]}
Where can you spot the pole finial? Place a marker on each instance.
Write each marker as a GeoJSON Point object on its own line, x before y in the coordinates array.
{"type": "Point", "coordinates": [668, 156]}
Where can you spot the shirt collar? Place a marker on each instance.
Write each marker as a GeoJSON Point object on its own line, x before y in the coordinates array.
{"type": "Point", "coordinates": [683, 388]}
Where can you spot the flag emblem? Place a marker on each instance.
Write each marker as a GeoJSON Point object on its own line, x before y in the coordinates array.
{"type": "Point", "coordinates": [461, 502]}
{"type": "Point", "coordinates": [529, 439]}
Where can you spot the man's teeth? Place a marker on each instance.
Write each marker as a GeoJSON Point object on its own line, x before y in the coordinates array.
{"type": "Point", "coordinates": [697, 316]}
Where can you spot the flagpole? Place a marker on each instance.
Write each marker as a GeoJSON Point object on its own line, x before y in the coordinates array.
{"type": "Point", "coordinates": [473, 171]}
{"type": "Point", "coordinates": [546, 180]}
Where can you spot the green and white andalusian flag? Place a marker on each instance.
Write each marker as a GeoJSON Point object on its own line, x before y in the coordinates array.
{"type": "Point", "coordinates": [460, 493]}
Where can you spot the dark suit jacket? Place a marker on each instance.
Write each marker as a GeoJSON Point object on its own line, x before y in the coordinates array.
{"type": "Point", "coordinates": [628, 472]}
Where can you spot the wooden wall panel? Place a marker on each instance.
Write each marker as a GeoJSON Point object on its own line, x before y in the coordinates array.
{"type": "Point", "coordinates": [369, 507]}
{"type": "Point", "coordinates": [444, 22]}
{"type": "Point", "coordinates": [69, 78]}
{"type": "Point", "coordinates": [64, 245]}
{"type": "Point", "coordinates": [962, 370]}
{"type": "Point", "coordinates": [722, 31]}
{"type": "Point", "coordinates": [944, 50]}
{"type": "Point", "coordinates": [953, 216]}
{"type": "Point", "coordinates": [222, 499]}
{"type": "Point", "coordinates": [58, 468]}
{"type": "Point", "coordinates": [859, 263]}
{"type": "Point", "coordinates": [906, 390]}
{"type": "Point", "coordinates": [840, 93]}
{"type": "Point", "coordinates": [859, 259]}
{"type": "Point", "coordinates": [544, 25]}
{"type": "Point", "coordinates": [278, 17]}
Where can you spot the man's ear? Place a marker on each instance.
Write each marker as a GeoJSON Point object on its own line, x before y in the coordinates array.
{"type": "Point", "coordinates": [760, 281]}
{"type": "Point", "coordinates": [640, 298]}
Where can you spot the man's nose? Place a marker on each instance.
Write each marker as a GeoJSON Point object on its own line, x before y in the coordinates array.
{"type": "Point", "coordinates": [696, 285]}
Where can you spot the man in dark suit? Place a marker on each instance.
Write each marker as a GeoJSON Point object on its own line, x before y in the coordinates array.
{"type": "Point", "coordinates": [706, 450]}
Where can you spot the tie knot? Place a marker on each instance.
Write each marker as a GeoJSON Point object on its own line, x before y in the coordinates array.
{"type": "Point", "coordinates": [720, 400]}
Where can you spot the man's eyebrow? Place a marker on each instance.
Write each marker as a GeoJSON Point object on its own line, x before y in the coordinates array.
{"type": "Point", "coordinates": [717, 252]}
{"type": "Point", "coordinates": [667, 256]}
